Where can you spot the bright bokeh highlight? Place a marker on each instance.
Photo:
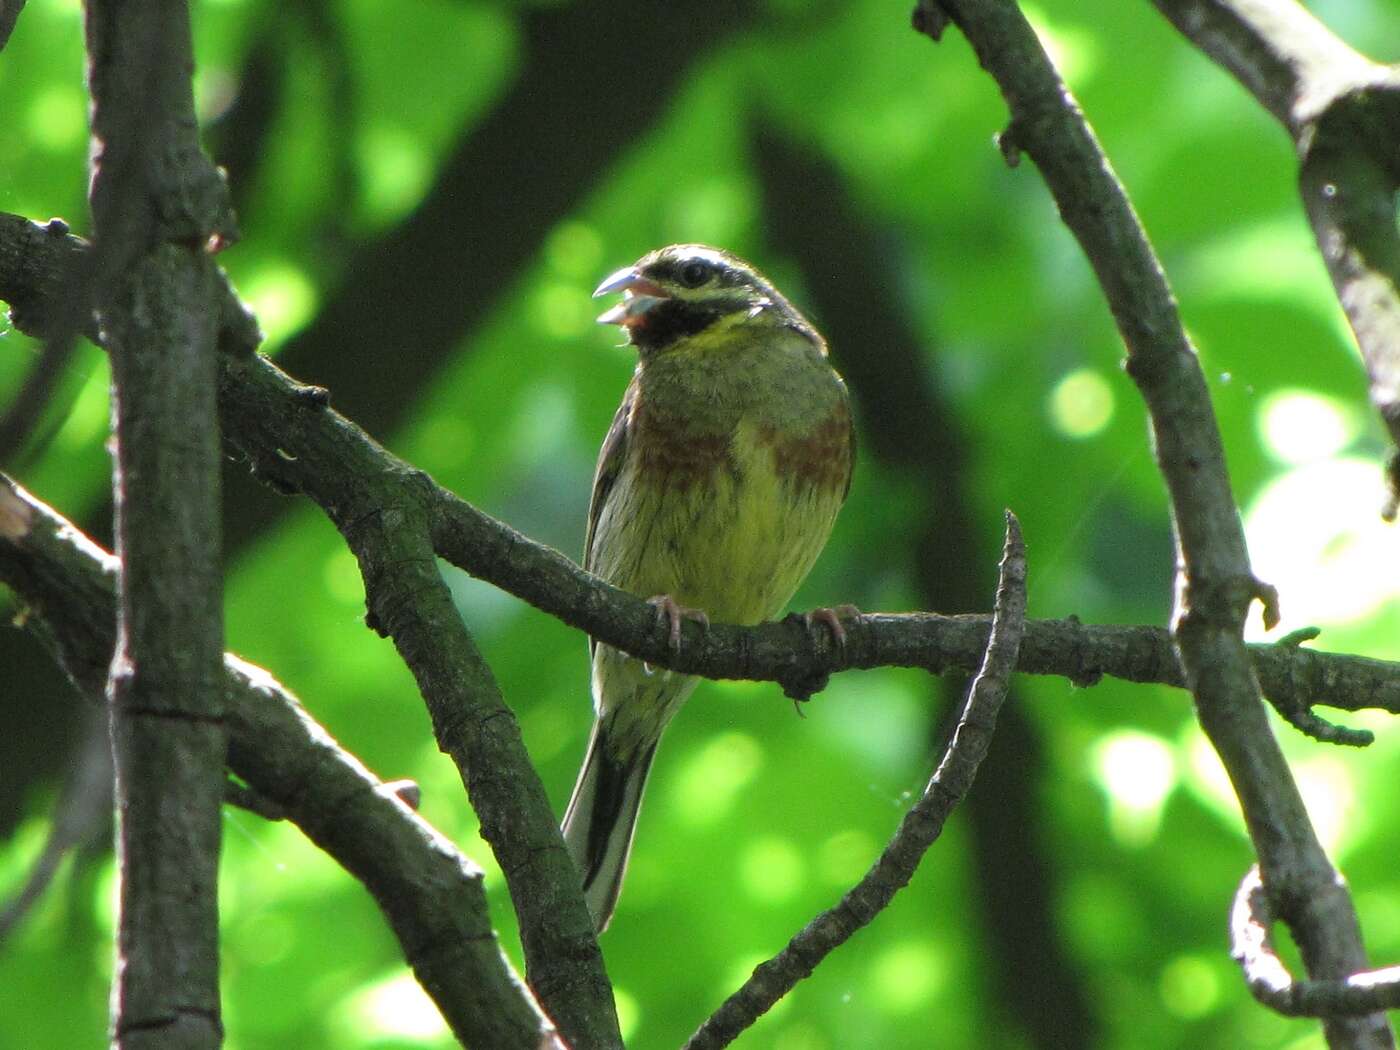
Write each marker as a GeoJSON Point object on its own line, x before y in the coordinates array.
{"type": "Point", "coordinates": [1137, 772]}
{"type": "Point", "coordinates": [772, 869]}
{"type": "Point", "coordinates": [1081, 404]}
{"type": "Point", "coordinates": [394, 171]}
{"type": "Point", "coordinates": [57, 118]}
{"type": "Point", "coordinates": [1316, 534]}
{"type": "Point", "coordinates": [1299, 426]}
{"type": "Point", "coordinates": [282, 297]}
{"type": "Point", "coordinates": [1190, 986]}
{"type": "Point", "coordinates": [906, 975]}
{"type": "Point", "coordinates": [1329, 792]}
{"type": "Point", "coordinates": [394, 1008]}
{"type": "Point", "coordinates": [709, 782]}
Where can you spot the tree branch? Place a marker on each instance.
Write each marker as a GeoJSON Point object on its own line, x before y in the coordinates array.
{"type": "Point", "coordinates": [157, 206]}
{"type": "Point", "coordinates": [383, 508]}
{"type": "Point", "coordinates": [292, 440]}
{"type": "Point", "coordinates": [921, 825]}
{"type": "Point", "coordinates": [1215, 585]}
{"type": "Point", "coordinates": [1293, 678]}
{"type": "Point", "coordinates": [1270, 982]}
{"type": "Point", "coordinates": [1343, 113]}
{"type": "Point", "coordinates": [914, 429]}
{"type": "Point", "coordinates": [432, 896]}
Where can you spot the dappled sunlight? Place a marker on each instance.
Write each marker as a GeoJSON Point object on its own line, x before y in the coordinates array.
{"type": "Point", "coordinates": [1207, 780]}
{"type": "Point", "coordinates": [91, 413]}
{"type": "Point", "coordinates": [282, 296]}
{"type": "Point", "coordinates": [393, 1008]}
{"type": "Point", "coordinates": [395, 169]}
{"type": "Point", "coordinates": [1316, 534]}
{"type": "Point", "coordinates": [772, 869]}
{"type": "Point", "coordinates": [562, 310]}
{"type": "Point", "coordinates": [629, 1011]}
{"type": "Point", "coordinates": [1329, 791]}
{"type": "Point", "coordinates": [57, 117]}
{"type": "Point", "coordinates": [1300, 426]}
{"type": "Point", "coordinates": [1081, 403]}
{"type": "Point", "coordinates": [1075, 52]}
{"type": "Point", "coordinates": [846, 856]}
{"type": "Point", "coordinates": [708, 782]}
{"type": "Point", "coordinates": [575, 249]}
{"type": "Point", "coordinates": [1137, 772]}
{"type": "Point", "coordinates": [905, 975]}
{"type": "Point", "coordinates": [1190, 985]}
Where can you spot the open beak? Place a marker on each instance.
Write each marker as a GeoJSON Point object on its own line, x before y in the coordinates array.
{"type": "Point", "coordinates": [639, 295]}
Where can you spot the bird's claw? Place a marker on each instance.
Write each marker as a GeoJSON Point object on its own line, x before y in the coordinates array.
{"type": "Point", "coordinates": [832, 617]}
{"type": "Point", "coordinates": [672, 613]}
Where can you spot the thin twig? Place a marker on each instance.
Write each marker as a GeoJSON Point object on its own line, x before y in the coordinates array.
{"type": "Point", "coordinates": [1343, 113]}
{"type": "Point", "coordinates": [383, 509]}
{"type": "Point", "coordinates": [1215, 584]}
{"type": "Point", "coordinates": [919, 829]}
{"type": "Point", "coordinates": [432, 896]}
{"type": "Point", "coordinates": [1268, 978]}
{"type": "Point", "coordinates": [293, 423]}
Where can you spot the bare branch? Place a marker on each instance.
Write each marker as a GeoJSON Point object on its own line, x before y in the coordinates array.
{"type": "Point", "coordinates": [1293, 678]}
{"type": "Point", "coordinates": [293, 440]}
{"type": "Point", "coordinates": [1215, 583]}
{"type": "Point", "coordinates": [1343, 113]}
{"type": "Point", "coordinates": [53, 302]}
{"type": "Point", "coordinates": [432, 896]}
{"type": "Point", "coordinates": [384, 508]}
{"type": "Point", "coordinates": [919, 829]}
{"type": "Point", "coordinates": [157, 207]}
{"type": "Point", "coordinates": [1270, 982]}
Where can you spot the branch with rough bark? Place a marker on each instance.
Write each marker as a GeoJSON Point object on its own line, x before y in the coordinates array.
{"type": "Point", "coordinates": [396, 520]}
{"type": "Point", "coordinates": [920, 828]}
{"type": "Point", "coordinates": [1342, 112]}
{"type": "Point", "coordinates": [286, 419]}
{"type": "Point", "coordinates": [1268, 978]}
{"type": "Point", "coordinates": [384, 509]}
{"type": "Point", "coordinates": [158, 207]}
{"type": "Point", "coordinates": [1215, 585]}
{"type": "Point", "coordinates": [294, 440]}
{"type": "Point", "coordinates": [432, 896]}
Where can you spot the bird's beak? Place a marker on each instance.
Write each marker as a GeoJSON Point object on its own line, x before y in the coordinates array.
{"type": "Point", "coordinates": [639, 295]}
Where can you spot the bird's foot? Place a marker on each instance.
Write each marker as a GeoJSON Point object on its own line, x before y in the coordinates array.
{"type": "Point", "coordinates": [667, 609]}
{"type": "Point", "coordinates": [832, 617]}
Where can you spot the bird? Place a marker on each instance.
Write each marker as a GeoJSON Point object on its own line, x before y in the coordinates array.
{"type": "Point", "coordinates": [716, 488]}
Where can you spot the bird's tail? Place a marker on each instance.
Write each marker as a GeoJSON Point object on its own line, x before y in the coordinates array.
{"type": "Point", "coordinates": [601, 819]}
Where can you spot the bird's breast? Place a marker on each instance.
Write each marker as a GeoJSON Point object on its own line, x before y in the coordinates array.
{"type": "Point", "coordinates": [729, 519]}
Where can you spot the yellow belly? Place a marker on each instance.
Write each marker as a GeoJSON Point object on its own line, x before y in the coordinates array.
{"type": "Point", "coordinates": [736, 545]}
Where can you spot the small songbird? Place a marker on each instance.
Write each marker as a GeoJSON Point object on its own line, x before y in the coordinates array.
{"type": "Point", "coordinates": [716, 488]}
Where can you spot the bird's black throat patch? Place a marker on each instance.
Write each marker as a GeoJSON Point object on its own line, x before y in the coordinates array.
{"type": "Point", "coordinates": [672, 320]}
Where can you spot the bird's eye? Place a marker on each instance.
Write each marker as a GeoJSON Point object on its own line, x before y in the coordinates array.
{"type": "Point", "coordinates": [695, 273]}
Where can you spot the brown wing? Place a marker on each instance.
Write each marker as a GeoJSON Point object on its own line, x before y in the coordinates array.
{"type": "Point", "coordinates": [610, 458]}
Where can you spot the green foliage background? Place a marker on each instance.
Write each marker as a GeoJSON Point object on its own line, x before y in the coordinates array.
{"type": "Point", "coordinates": [756, 818]}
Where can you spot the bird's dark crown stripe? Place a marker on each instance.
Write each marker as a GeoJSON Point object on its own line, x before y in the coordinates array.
{"type": "Point", "coordinates": [670, 269]}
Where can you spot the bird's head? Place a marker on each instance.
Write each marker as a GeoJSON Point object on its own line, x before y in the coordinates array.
{"type": "Point", "coordinates": [683, 290]}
